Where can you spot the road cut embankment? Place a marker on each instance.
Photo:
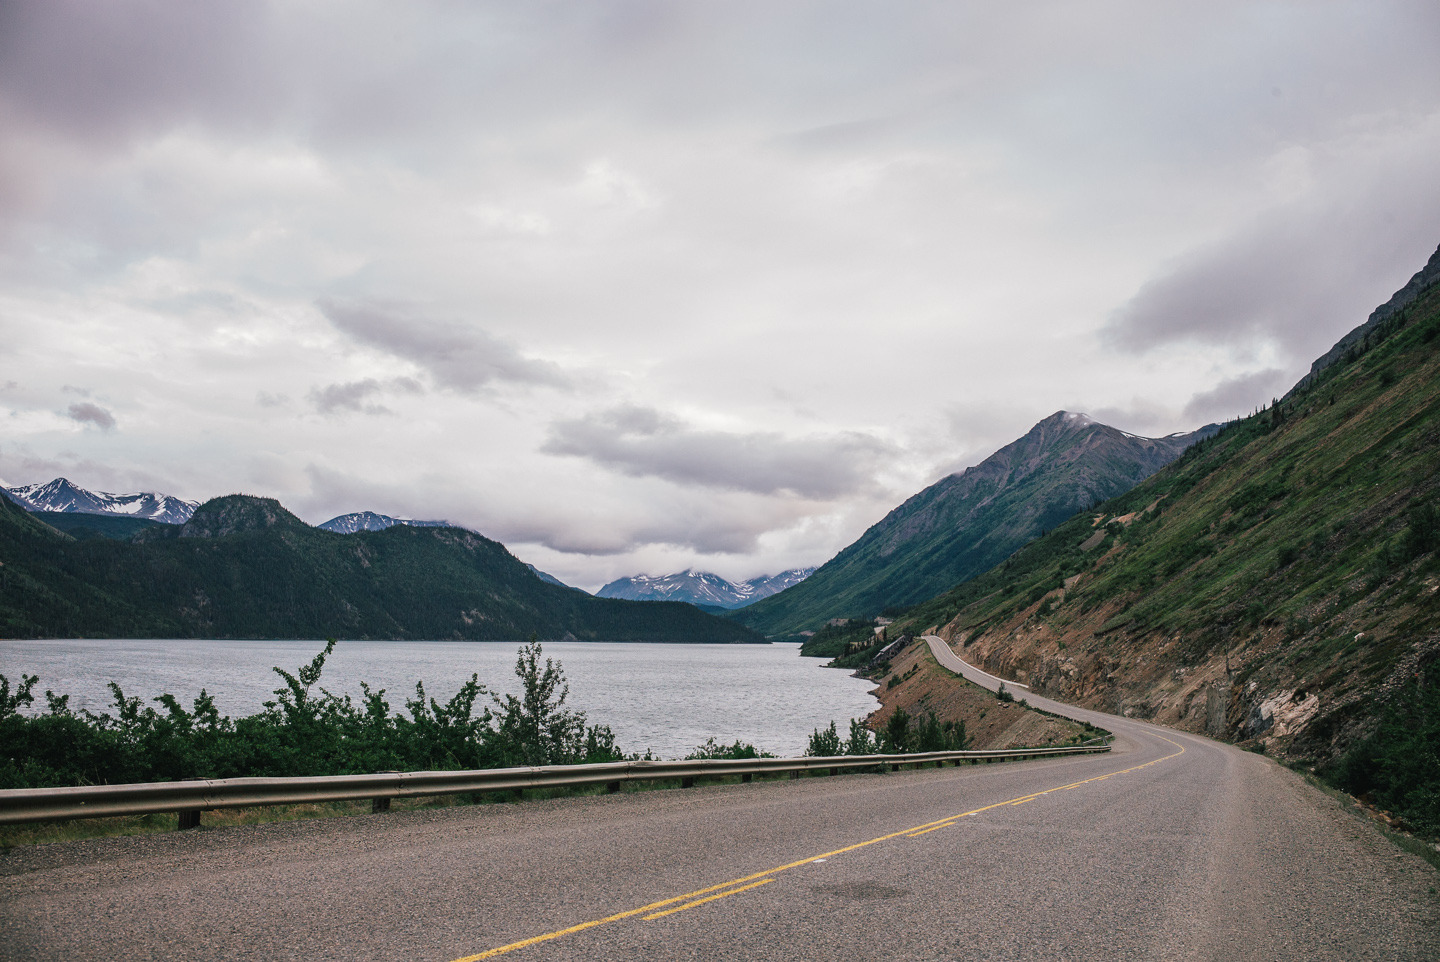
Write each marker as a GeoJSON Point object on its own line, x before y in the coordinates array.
{"type": "Point", "coordinates": [922, 686]}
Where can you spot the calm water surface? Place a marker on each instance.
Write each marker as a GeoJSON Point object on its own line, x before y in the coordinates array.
{"type": "Point", "coordinates": [666, 698]}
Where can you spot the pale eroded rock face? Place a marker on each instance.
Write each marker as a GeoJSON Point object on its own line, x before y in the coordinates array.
{"type": "Point", "coordinates": [1282, 714]}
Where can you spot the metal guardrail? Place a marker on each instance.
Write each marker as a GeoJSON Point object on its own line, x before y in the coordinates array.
{"type": "Point", "coordinates": [192, 797]}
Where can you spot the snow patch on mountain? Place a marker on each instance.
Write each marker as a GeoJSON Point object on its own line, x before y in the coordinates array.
{"type": "Point", "coordinates": [371, 521]}
{"type": "Point", "coordinates": [62, 495]}
{"type": "Point", "coordinates": [702, 587]}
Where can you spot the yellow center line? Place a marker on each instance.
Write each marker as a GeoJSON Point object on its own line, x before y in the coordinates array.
{"type": "Point", "coordinates": [760, 878]}
{"type": "Point", "coordinates": [708, 898]}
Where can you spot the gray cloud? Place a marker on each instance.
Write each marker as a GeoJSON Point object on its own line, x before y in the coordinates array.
{"type": "Point", "coordinates": [356, 395]}
{"type": "Point", "coordinates": [1297, 275]}
{"type": "Point", "coordinates": [643, 442]}
{"type": "Point", "coordinates": [457, 356]}
{"type": "Point", "coordinates": [87, 413]}
{"type": "Point", "coordinates": [1237, 293]}
{"type": "Point", "coordinates": [887, 210]}
{"type": "Point", "coordinates": [19, 466]}
{"type": "Point", "coordinates": [1236, 397]}
{"type": "Point", "coordinates": [706, 522]}
{"type": "Point", "coordinates": [709, 529]}
{"type": "Point", "coordinates": [1138, 416]}
{"type": "Point", "coordinates": [97, 71]}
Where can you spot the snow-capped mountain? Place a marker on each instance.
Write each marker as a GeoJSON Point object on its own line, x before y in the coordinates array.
{"type": "Point", "coordinates": [61, 495]}
{"type": "Point", "coordinates": [766, 585]}
{"type": "Point", "coordinates": [371, 521]}
{"type": "Point", "coordinates": [702, 588]}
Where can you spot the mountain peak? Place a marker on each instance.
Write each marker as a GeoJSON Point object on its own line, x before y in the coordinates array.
{"type": "Point", "coordinates": [236, 514]}
{"type": "Point", "coordinates": [968, 522]}
{"type": "Point", "coordinates": [357, 521]}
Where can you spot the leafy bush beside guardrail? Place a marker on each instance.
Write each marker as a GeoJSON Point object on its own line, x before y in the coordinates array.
{"type": "Point", "coordinates": [305, 730]}
{"type": "Point", "coordinates": [898, 737]}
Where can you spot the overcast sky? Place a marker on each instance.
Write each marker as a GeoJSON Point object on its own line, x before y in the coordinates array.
{"type": "Point", "coordinates": [634, 287]}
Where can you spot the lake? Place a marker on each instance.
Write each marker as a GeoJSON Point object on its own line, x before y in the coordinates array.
{"type": "Point", "coordinates": [666, 698]}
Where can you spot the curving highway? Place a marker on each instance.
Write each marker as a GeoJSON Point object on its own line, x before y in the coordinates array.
{"type": "Point", "coordinates": [1171, 847]}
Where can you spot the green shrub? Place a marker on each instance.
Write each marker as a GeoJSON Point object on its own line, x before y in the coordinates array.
{"type": "Point", "coordinates": [895, 740]}
{"type": "Point", "coordinates": [713, 749]}
{"type": "Point", "coordinates": [304, 730]}
{"type": "Point", "coordinates": [933, 736]}
{"type": "Point", "coordinates": [825, 742]}
{"type": "Point", "coordinates": [861, 740]}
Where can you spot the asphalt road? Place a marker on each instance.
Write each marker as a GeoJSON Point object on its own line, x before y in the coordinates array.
{"type": "Point", "coordinates": [1171, 847]}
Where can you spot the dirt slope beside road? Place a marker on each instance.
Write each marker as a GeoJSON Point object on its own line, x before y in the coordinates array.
{"type": "Point", "coordinates": [924, 686]}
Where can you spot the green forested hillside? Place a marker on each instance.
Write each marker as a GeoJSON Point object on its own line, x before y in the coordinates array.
{"type": "Point", "coordinates": [968, 522]}
{"type": "Point", "coordinates": [81, 526]}
{"type": "Point", "coordinates": [246, 568]}
{"type": "Point", "coordinates": [1279, 583]}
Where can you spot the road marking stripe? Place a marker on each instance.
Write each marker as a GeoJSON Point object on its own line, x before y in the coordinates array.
{"type": "Point", "coordinates": [760, 878]}
{"type": "Point", "coordinates": [708, 898]}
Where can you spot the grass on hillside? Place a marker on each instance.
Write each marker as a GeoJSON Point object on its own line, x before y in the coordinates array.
{"type": "Point", "coordinates": [1301, 542]}
{"type": "Point", "coordinates": [1317, 517]}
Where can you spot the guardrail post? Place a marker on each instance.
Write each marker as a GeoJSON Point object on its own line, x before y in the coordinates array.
{"type": "Point", "coordinates": [189, 819]}
{"type": "Point", "coordinates": [688, 781]}
{"type": "Point", "coordinates": [745, 779]}
{"type": "Point", "coordinates": [378, 805]}
{"type": "Point", "coordinates": [834, 771]}
{"type": "Point", "coordinates": [794, 774]}
{"type": "Point", "coordinates": [611, 788]}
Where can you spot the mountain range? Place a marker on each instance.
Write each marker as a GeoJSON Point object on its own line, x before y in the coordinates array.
{"type": "Point", "coordinates": [244, 567]}
{"type": "Point", "coordinates": [968, 522]}
{"type": "Point", "coordinates": [61, 496]}
{"type": "Point", "coordinates": [74, 510]}
{"type": "Point", "coordinates": [703, 588]}
{"type": "Point", "coordinates": [69, 508]}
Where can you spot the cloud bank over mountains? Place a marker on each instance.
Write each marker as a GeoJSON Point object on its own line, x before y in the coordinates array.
{"type": "Point", "coordinates": [649, 286]}
{"type": "Point", "coordinates": [644, 442]}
